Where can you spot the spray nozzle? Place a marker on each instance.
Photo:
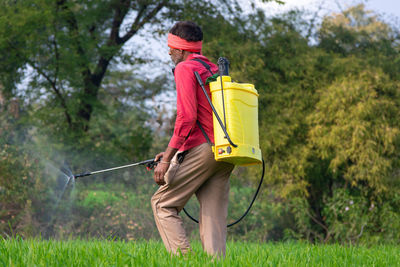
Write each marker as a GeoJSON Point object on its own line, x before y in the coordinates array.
{"type": "Point", "coordinates": [81, 174]}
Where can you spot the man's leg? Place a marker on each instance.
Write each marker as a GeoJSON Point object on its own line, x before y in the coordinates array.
{"type": "Point", "coordinates": [169, 225]}
{"type": "Point", "coordinates": [213, 196]}
{"type": "Point", "coordinates": [182, 181]}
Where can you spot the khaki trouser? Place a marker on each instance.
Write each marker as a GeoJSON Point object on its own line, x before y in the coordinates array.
{"type": "Point", "coordinates": [198, 174]}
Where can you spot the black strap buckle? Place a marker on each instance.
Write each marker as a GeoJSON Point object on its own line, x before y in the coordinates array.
{"type": "Point", "coordinates": [181, 156]}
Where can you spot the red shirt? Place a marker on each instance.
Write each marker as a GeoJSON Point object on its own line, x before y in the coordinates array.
{"type": "Point", "coordinates": [192, 104]}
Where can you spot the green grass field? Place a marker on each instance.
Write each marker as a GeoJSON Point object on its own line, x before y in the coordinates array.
{"type": "Point", "coordinates": [18, 252]}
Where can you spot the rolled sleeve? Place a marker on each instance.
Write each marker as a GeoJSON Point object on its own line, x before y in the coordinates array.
{"type": "Point", "coordinates": [176, 141]}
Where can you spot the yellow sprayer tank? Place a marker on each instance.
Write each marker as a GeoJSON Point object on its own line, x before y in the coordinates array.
{"type": "Point", "coordinates": [241, 116]}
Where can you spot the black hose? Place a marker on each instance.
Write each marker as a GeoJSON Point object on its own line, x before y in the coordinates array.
{"type": "Point", "coordinates": [248, 209]}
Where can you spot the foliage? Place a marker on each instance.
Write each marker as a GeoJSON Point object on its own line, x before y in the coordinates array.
{"type": "Point", "coordinates": [354, 218]}
{"type": "Point", "coordinates": [355, 30]}
{"type": "Point", "coordinates": [328, 116]}
{"type": "Point", "coordinates": [65, 49]}
{"type": "Point", "coordinates": [355, 128]}
{"type": "Point", "coordinates": [338, 131]}
{"type": "Point", "coordinates": [16, 169]}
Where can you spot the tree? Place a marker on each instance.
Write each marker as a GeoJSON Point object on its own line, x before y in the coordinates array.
{"type": "Point", "coordinates": [356, 29]}
{"type": "Point", "coordinates": [355, 136]}
{"type": "Point", "coordinates": [67, 47]}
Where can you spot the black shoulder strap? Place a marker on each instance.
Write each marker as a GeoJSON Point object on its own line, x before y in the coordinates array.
{"type": "Point", "coordinates": [198, 123]}
{"type": "Point", "coordinates": [204, 133]}
{"type": "Point", "coordinates": [204, 64]}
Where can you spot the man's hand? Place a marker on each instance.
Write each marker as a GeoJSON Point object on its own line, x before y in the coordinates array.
{"type": "Point", "coordinates": [163, 164]}
{"type": "Point", "coordinates": [160, 171]}
{"type": "Point", "coordinates": [158, 156]}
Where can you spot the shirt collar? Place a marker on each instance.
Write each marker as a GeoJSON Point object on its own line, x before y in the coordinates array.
{"type": "Point", "coordinates": [192, 56]}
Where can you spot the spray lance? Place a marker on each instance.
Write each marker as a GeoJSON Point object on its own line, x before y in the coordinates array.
{"type": "Point", "coordinates": [150, 164]}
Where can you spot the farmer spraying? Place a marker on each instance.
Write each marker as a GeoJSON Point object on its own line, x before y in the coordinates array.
{"type": "Point", "coordinates": [211, 136]}
{"type": "Point", "coordinates": [188, 165]}
{"type": "Point", "coordinates": [205, 146]}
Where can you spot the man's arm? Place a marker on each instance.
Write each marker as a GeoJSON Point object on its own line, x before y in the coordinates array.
{"type": "Point", "coordinates": [186, 117]}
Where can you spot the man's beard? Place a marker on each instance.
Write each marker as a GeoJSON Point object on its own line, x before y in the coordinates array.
{"type": "Point", "coordinates": [177, 60]}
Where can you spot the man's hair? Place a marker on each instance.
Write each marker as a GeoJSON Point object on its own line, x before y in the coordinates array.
{"type": "Point", "coordinates": [187, 30]}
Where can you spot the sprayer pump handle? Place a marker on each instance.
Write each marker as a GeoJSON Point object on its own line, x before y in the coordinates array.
{"type": "Point", "coordinates": [152, 164]}
{"type": "Point", "coordinates": [223, 66]}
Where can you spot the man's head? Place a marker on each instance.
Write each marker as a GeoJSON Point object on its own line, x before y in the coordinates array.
{"type": "Point", "coordinates": [184, 38]}
{"type": "Point", "coordinates": [187, 30]}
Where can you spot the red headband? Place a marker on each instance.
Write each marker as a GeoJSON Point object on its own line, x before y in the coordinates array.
{"type": "Point", "coordinates": [180, 43]}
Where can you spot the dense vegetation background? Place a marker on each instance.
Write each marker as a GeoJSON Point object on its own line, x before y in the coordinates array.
{"type": "Point", "coordinates": [74, 89]}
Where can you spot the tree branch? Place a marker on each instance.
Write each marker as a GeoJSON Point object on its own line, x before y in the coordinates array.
{"type": "Point", "coordinates": [121, 9]}
{"type": "Point", "coordinates": [115, 40]}
{"type": "Point", "coordinates": [53, 85]}
{"type": "Point", "coordinates": [90, 90]}
{"type": "Point", "coordinates": [140, 22]}
{"type": "Point", "coordinates": [339, 6]}
{"type": "Point", "coordinates": [139, 15]}
{"type": "Point", "coordinates": [328, 234]}
{"type": "Point", "coordinates": [57, 54]}
{"type": "Point", "coordinates": [74, 29]}
{"type": "Point", "coordinates": [120, 12]}
{"type": "Point", "coordinates": [312, 22]}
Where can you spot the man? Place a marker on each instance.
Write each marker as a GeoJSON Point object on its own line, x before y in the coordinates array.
{"type": "Point", "coordinates": [188, 166]}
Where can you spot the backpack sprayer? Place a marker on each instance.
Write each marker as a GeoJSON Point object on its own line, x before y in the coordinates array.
{"type": "Point", "coordinates": [237, 144]}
